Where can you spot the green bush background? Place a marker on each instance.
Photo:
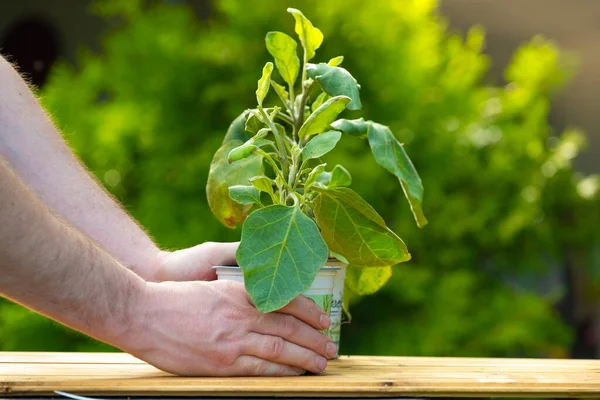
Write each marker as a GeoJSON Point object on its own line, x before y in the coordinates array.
{"type": "Point", "coordinates": [507, 212]}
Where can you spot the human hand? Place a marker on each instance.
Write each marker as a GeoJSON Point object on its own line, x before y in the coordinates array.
{"type": "Point", "coordinates": [213, 329]}
{"type": "Point", "coordinates": [194, 263]}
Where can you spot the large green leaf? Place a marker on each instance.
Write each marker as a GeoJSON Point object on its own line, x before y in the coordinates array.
{"type": "Point", "coordinates": [321, 145]}
{"type": "Point", "coordinates": [390, 154]}
{"type": "Point", "coordinates": [283, 49]}
{"type": "Point", "coordinates": [336, 81]}
{"type": "Point", "coordinates": [264, 82]}
{"type": "Point", "coordinates": [352, 228]}
{"type": "Point", "coordinates": [365, 281]}
{"type": "Point", "coordinates": [354, 127]}
{"type": "Point", "coordinates": [310, 37]}
{"type": "Point", "coordinates": [280, 253]}
{"type": "Point", "coordinates": [323, 116]}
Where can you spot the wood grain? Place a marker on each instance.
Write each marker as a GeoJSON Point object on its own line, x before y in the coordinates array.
{"type": "Point", "coordinates": [104, 374]}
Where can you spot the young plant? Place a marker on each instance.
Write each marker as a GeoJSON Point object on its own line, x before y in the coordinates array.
{"type": "Point", "coordinates": [295, 212]}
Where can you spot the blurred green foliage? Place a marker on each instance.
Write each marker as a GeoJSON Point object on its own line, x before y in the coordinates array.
{"type": "Point", "coordinates": [506, 209]}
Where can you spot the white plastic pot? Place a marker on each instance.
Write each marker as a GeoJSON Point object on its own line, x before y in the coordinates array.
{"type": "Point", "coordinates": [327, 292]}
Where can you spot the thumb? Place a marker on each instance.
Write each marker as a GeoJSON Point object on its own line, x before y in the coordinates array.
{"type": "Point", "coordinates": [220, 253]}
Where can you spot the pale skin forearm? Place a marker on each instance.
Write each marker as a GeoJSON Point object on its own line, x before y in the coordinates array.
{"type": "Point", "coordinates": [53, 269]}
{"type": "Point", "coordinates": [40, 157]}
{"type": "Point", "coordinates": [190, 328]}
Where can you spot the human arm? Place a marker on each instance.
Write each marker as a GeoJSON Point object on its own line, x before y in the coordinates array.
{"type": "Point", "coordinates": [40, 157]}
{"type": "Point", "coordinates": [188, 328]}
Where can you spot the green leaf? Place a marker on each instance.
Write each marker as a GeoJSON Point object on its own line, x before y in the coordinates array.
{"type": "Point", "coordinates": [313, 175]}
{"type": "Point", "coordinates": [324, 178]}
{"type": "Point", "coordinates": [323, 116]}
{"type": "Point", "coordinates": [321, 145]}
{"type": "Point", "coordinates": [241, 152]}
{"type": "Point", "coordinates": [280, 253]}
{"type": "Point", "coordinates": [336, 61]}
{"type": "Point", "coordinates": [244, 194]}
{"type": "Point", "coordinates": [319, 100]}
{"type": "Point", "coordinates": [365, 281]}
{"type": "Point", "coordinates": [336, 81]}
{"type": "Point", "coordinates": [283, 49]}
{"type": "Point", "coordinates": [264, 82]}
{"type": "Point", "coordinates": [310, 37]}
{"type": "Point", "coordinates": [222, 175]}
{"type": "Point", "coordinates": [340, 177]}
{"type": "Point", "coordinates": [390, 154]}
{"type": "Point", "coordinates": [352, 228]}
{"type": "Point", "coordinates": [354, 127]}
{"type": "Point", "coordinates": [281, 92]}
{"type": "Point", "coordinates": [263, 183]}
{"type": "Point", "coordinates": [253, 124]}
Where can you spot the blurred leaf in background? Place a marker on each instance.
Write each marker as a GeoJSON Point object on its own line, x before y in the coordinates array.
{"type": "Point", "coordinates": [507, 213]}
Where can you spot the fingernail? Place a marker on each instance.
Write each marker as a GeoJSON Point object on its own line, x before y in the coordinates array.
{"type": "Point", "coordinates": [321, 363]}
{"type": "Point", "coordinates": [331, 349]}
{"type": "Point", "coordinates": [325, 321]}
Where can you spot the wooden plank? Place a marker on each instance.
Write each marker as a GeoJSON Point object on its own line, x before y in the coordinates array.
{"type": "Point", "coordinates": [114, 374]}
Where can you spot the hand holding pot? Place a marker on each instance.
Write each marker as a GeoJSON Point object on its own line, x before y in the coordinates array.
{"type": "Point", "coordinates": [194, 263]}
{"type": "Point", "coordinates": [212, 328]}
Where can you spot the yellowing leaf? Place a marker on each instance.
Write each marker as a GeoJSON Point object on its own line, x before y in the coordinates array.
{"type": "Point", "coordinates": [264, 82]}
{"type": "Point", "coordinates": [222, 175]}
{"type": "Point", "coordinates": [352, 228]}
{"type": "Point", "coordinates": [310, 37]}
{"type": "Point", "coordinates": [323, 116]}
{"type": "Point", "coordinates": [283, 49]}
{"type": "Point", "coordinates": [365, 281]}
{"type": "Point", "coordinates": [336, 61]}
{"type": "Point", "coordinates": [281, 92]}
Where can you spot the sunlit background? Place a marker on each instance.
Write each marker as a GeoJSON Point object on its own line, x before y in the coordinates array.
{"type": "Point", "coordinates": [496, 103]}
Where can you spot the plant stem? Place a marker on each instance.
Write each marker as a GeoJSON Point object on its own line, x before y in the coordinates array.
{"type": "Point", "coordinates": [305, 93]}
{"type": "Point", "coordinates": [286, 118]}
{"type": "Point", "coordinates": [285, 166]}
{"type": "Point", "coordinates": [292, 99]}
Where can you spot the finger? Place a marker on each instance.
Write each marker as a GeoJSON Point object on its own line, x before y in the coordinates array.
{"type": "Point", "coordinates": [254, 366]}
{"type": "Point", "coordinates": [308, 311]}
{"type": "Point", "coordinates": [295, 331]}
{"type": "Point", "coordinates": [280, 351]}
{"type": "Point", "coordinates": [221, 253]}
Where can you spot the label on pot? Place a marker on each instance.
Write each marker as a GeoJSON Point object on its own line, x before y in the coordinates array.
{"type": "Point", "coordinates": [336, 307]}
